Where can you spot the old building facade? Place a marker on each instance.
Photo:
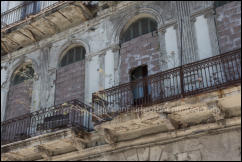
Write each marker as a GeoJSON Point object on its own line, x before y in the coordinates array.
{"type": "Point", "coordinates": [53, 52]}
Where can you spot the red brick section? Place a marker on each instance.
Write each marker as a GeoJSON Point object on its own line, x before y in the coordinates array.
{"type": "Point", "coordinates": [228, 20]}
{"type": "Point", "coordinates": [143, 50]}
{"type": "Point", "coordinates": [19, 100]}
{"type": "Point", "coordinates": [70, 82]}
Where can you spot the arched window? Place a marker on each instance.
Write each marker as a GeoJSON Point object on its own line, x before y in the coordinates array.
{"type": "Point", "coordinates": [24, 73]}
{"type": "Point", "coordinates": [138, 28]}
{"type": "Point", "coordinates": [73, 55]}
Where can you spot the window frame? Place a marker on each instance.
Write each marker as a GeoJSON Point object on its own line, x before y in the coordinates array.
{"type": "Point", "coordinates": [18, 78]}
{"type": "Point", "coordinates": [128, 34]}
{"type": "Point", "coordinates": [65, 60]}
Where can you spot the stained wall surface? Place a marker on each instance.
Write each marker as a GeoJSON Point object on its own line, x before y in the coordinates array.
{"type": "Point", "coordinates": [217, 147]}
{"type": "Point", "coordinates": [228, 18]}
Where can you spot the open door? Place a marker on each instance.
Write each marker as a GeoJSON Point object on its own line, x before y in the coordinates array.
{"type": "Point", "coordinates": [140, 88]}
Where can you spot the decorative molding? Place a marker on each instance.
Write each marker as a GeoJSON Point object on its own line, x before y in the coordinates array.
{"type": "Point", "coordinates": [167, 25]}
{"type": "Point", "coordinates": [3, 85]}
{"type": "Point", "coordinates": [193, 19]}
{"type": "Point", "coordinates": [175, 26]}
{"type": "Point", "coordinates": [115, 47]}
{"type": "Point", "coordinates": [88, 58]}
{"type": "Point", "coordinates": [129, 17]}
{"type": "Point", "coordinates": [201, 12]}
{"type": "Point", "coordinates": [209, 13]}
{"type": "Point", "coordinates": [162, 30]}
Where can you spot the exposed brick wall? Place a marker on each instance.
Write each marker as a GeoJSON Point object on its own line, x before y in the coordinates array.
{"type": "Point", "coordinates": [19, 100]}
{"type": "Point", "coordinates": [228, 19]}
{"type": "Point", "coordinates": [139, 51]}
{"type": "Point", "coordinates": [70, 82]}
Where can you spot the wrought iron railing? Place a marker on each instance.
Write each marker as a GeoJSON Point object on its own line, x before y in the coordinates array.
{"type": "Point", "coordinates": [205, 75]}
{"type": "Point", "coordinates": [208, 74]}
{"type": "Point", "coordinates": [28, 8]}
{"type": "Point", "coordinates": [72, 114]}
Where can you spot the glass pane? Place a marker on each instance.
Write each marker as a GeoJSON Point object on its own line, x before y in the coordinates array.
{"type": "Point", "coordinates": [127, 35]}
{"type": "Point", "coordinates": [63, 61]}
{"type": "Point", "coordinates": [31, 72]}
{"type": "Point", "coordinates": [136, 29]}
{"type": "Point", "coordinates": [70, 56]}
{"type": "Point", "coordinates": [140, 27]}
{"type": "Point", "coordinates": [144, 26]}
{"type": "Point", "coordinates": [16, 78]}
{"type": "Point", "coordinates": [138, 91]}
{"type": "Point", "coordinates": [153, 25]}
{"type": "Point", "coordinates": [78, 53]}
{"type": "Point", "coordinates": [24, 73]}
{"type": "Point", "coordinates": [83, 53]}
{"type": "Point", "coordinates": [73, 55]}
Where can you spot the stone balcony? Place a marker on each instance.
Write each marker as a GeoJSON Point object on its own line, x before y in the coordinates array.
{"type": "Point", "coordinates": [48, 21]}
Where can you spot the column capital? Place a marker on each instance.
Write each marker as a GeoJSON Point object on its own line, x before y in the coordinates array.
{"type": "Point", "coordinates": [162, 30]}
{"type": "Point", "coordinates": [193, 19]}
{"type": "Point", "coordinates": [175, 26]}
{"type": "Point", "coordinates": [209, 13]}
{"type": "Point", "coordinates": [89, 57]}
{"type": "Point", "coordinates": [115, 47]}
{"type": "Point", "coordinates": [102, 54]}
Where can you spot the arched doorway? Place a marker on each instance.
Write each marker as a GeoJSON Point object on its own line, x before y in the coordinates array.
{"type": "Point", "coordinates": [20, 92]}
{"type": "Point", "coordinates": [70, 80]}
{"type": "Point", "coordinates": [139, 56]}
{"type": "Point", "coordinates": [139, 45]}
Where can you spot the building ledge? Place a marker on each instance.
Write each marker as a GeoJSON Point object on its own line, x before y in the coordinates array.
{"type": "Point", "coordinates": [149, 140]}
{"type": "Point", "coordinates": [203, 108]}
{"type": "Point", "coordinates": [47, 145]}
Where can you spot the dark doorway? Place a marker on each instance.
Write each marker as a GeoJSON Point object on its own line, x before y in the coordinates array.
{"type": "Point", "coordinates": [139, 85]}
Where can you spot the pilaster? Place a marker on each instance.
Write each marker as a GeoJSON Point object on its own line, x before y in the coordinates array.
{"type": "Point", "coordinates": [210, 16]}
{"type": "Point", "coordinates": [189, 53]}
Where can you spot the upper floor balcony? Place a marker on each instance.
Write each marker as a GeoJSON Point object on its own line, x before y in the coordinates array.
{"type": "Point", "coordinates": [206, 75]}
{"type": "Point", "coordinates": [26, 9]}
{"type": "Point", "coordinates": [73, 114]}
{"type": "Point", "coordinates": [33, 21]}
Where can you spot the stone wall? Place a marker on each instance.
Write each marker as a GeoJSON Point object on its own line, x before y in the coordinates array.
{"type": "Point", "coordinates": [219, 147]}
{"type": "Point", "coordinates": [228, 19]}
{"type": "Point", "coordinates": [70, 82]}
{"type": "Point", "coordinates": [143, 50]}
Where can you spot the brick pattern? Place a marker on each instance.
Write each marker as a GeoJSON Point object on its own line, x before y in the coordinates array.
{"type": "Point", "coordinates": [19, 100]}
{"type": "Point", "coordinates": [228, 21]}
{"type": "Point", "coordinates": [70, 82]}
{"type": "Point", "coordinates": [142, 50]}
